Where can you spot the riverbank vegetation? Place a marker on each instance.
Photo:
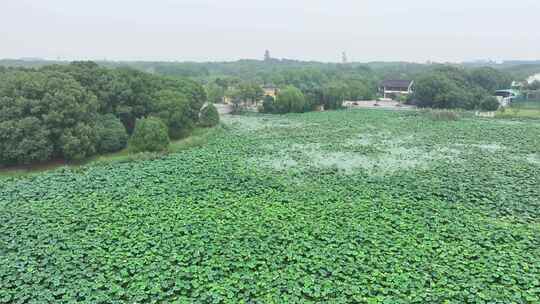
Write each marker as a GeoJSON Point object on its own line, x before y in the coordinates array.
{"type": "Point", "coordinates": [75, 111]}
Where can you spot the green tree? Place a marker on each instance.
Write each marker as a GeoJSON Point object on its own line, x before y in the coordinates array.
{"type": "Point", "coordinates": [78, 142]}
{"type": "Point", "coordinates": [194, 92]}
{"type": "Point", "coordinates": [490, 104]}
{"type": "Point", "coordinates": [250, 92]}
{"type": "Point", "coordinates": [490, 79]}
{"type": "Point", "coordinates": [334, 95]}
{"type": "Point", "coordinates": [215, 93]}
{"type": "Point", "coordinates": [236, 99]}
{"type": "Point", "coordinates": [438, 90]}
{"type": "Point", "coordinates": [209, 116]}
{"type": "Point", "coordinates": [290, 99]}
{"type": "Point", "coordinates": [358, 90]}
{"type": "Point", "coordinates": [24, 141]}
{"type": "Point", "coordinates": [111, 133]}
{"type": "Point", "coordinates": [131, 95]}
{"type": "Point", "coordinates": [150, 135]}
{"type": "Point", "coordinates": [53, 100]}
{"type": "Point", "coordinates": [268, 104]}
{"type": "Point", "coordinates": [173, 109]}
{"type": "Point", "coordinates": [434, 90]}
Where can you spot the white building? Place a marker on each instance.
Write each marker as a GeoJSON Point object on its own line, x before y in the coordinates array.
{"type": "Point", "coordinates": [533, 78]}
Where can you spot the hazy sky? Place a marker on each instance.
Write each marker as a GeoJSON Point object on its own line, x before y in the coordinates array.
{"type": "Point", "coordinates": [210, 30]}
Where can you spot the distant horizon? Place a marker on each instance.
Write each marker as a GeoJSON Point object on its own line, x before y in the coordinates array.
{"type": "Point", "coordinates": [477, 61]}
{"type": "Point", "coordinates": [311, 30]}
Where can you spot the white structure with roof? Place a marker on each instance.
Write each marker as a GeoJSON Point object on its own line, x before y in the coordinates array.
{"type": "Point", "coordinates": [533, 78]}
{"type": "Point", "coordinates": [396, 88]}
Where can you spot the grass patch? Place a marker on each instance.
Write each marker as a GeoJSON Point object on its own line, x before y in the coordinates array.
{"type": "Point", "coordinates": [199, 137]}
{"type": "Point", "coordinates": [441, 114]}
{"type": "Point", "coordinates": [25, 170]}
{"type": "Point", "coordinates": [516, 112]}
{"type": "Point", "coordinates": [521, 109]}
{"type": "Point", "coordinates": [529, 104]}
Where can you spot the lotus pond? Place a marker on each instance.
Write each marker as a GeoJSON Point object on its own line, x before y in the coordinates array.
{"type": "Point", "coordinates": [362, 206]}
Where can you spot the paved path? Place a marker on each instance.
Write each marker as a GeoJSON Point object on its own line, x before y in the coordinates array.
{"type": "Point", "coordinates": [223, 108]}
{"type": "Point", "coordinates": [373, 104]}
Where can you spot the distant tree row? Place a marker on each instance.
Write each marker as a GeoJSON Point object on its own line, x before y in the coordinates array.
{"type": "Point", "coordinates": [440, 87]}
{"type": "Point", "coordinates": [327, 88]}
{"type": "Point", "coordinates": [292, 99]}
{"type": "Point", "coordinates": [289, 100]}
{"type": "Point", "coordinates": [78, 110]}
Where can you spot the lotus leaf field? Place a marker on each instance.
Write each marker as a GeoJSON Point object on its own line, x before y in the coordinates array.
{"type": "Point", "coordinates": [359, 206]}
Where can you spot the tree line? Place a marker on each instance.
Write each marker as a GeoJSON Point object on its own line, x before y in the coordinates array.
{"type": "Point", "coordinates": [328, 84]}
{"type": "Point", "coordinates": [441, 86]}
{"type": "Point", "coordinates": [78, 110]}
{"type": "Point", "coordinates": [324, 86]}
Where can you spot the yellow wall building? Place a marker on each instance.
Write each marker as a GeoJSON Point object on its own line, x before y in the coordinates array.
{"type": "Point", "coordinates": [270, 91]}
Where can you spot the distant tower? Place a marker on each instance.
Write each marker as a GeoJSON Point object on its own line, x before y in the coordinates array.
{"type": "Point", "coordinates": [344, 58]}
{"type": "Point", "coordinates": [267, 55]}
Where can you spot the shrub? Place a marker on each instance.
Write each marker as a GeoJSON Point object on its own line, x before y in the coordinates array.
{"type": "Point", "coordinates": [489, 104]}
{"type": "Point", "coordinates": [111, 133]}
{"type": "Point", "coordinates": [209, 116]}
{"type": "Point", "coordinates": [150, 135]}
{"type": "Point", "coordinates": [403, 98]}
{"type": "Point", "coordinates": [268, 104]}
{"type": "Point", "coordinates": [392, 96]}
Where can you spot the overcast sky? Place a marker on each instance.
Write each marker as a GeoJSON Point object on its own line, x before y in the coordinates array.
{"type": "Point", "coordinates": [212, 30]}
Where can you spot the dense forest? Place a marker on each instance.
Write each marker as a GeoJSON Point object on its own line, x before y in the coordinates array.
{"type": "Point", "coordinates": [77, 110]}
